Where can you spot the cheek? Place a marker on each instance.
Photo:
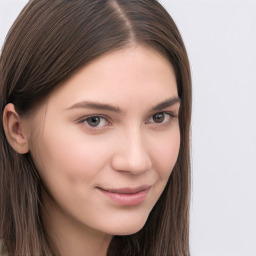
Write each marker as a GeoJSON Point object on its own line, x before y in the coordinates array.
{"type": "Point", "coordinates": [165, 152]}
{"type": "Point", "coordinates": [69, 155]}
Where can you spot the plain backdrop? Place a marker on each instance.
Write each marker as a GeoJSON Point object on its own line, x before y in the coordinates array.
{"type": "Point", "coordinates": [220, 37]}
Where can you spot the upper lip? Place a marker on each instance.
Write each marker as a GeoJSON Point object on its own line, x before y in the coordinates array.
{"type": "Point", "coordinates": [126, 190]}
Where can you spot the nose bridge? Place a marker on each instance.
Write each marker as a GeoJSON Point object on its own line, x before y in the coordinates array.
{"type": "Point", "coordinates": [132, 153]}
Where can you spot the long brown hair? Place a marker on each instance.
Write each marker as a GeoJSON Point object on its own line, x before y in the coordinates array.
{"type": "Point", "coordinates": [48, 43]}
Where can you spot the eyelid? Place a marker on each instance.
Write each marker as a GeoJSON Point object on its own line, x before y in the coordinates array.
{"type": "Point", "coordinates": [174, 109]}
{"type": "Point", "coordinates": [167, 112]}
{"type": "Point", "coordinates": [83, 118]}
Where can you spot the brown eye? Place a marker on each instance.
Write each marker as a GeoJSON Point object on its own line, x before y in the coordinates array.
{"type": "Point", "coordinates": [159, 117]}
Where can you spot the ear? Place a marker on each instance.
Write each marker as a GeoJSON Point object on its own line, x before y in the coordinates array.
{"type": "Point", "coordinates": [14, 130]}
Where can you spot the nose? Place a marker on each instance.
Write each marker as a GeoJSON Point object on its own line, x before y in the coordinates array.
{"type": "Point", "coordinates": [131, 154]}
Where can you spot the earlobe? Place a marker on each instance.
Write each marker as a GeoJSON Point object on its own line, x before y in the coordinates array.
{"type": "Point", "coordinates": [14, 130]}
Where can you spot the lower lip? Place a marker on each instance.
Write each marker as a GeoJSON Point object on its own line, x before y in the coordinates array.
{"type": "Point", "coordinates": [127, 199]}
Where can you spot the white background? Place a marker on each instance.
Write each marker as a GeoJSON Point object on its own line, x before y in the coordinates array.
{"type": "Point", "coordinates": [220, 37]}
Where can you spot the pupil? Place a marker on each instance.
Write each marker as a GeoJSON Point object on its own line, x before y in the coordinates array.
{"type": "Point", "coordinates": [158, 118]}
{"type": "Point", "coordinates": [93, 121]}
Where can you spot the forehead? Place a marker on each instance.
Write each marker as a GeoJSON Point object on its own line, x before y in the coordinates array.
{"type": "Point", "coordinates": [123, 76]}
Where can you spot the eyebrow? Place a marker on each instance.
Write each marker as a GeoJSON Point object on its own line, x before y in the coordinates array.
{"type": "Point", "coordinates": [167, 103]}
{"type": "Point", "coordinates": [95, 105]}
{"type": "Point", "coordinates": [102, 106]}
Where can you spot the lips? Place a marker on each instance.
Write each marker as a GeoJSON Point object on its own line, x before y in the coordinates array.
{"type": "Point", "coordinates": [127, 190]}
{"type": "Point", "coordinates": [126, 196]}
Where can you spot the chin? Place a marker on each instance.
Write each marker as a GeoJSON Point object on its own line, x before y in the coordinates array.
{"type": "Point", "coordinates": [128, 227]}
{"type": "Point", "coordinates": [127, 231]}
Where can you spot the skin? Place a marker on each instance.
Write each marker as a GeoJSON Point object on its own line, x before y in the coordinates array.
{"type": "Point", "coordinates": [129, 146]}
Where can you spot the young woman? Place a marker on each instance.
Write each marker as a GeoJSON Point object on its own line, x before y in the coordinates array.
{"type": "Point", "coordinates": [95, 121]}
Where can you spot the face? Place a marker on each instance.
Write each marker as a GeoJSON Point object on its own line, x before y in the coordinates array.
{"type": "Point", "coordinates": [106, 141]}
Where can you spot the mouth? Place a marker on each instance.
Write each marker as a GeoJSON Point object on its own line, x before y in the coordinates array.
{"type": "Point", "coordinates": [126, 196]}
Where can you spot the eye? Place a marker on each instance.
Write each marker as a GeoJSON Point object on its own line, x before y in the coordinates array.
{"type": "Point", "coordinates": [95, 121]}
{"type": "Point", "coordinates": [162, 117]}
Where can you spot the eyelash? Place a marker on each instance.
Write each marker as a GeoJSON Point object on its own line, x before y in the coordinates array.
{"type": "Point", "coordinates": [85, 120]}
